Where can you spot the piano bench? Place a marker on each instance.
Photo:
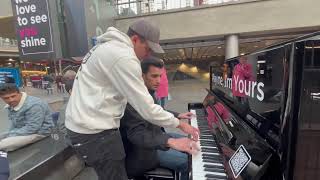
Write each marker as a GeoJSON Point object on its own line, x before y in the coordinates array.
{"type": "Point", "coordinates": [161, 173]}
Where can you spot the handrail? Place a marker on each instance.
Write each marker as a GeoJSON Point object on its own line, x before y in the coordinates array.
{"type": "Point", "coordinates": [145, 7]}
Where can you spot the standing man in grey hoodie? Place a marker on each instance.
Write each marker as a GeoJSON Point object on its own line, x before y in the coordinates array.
{"type": "Point", "coordinates": [110, 77]}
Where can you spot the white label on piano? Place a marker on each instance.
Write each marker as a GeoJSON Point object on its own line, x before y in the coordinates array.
{"type": "Point", "coordinates": [239, 160]}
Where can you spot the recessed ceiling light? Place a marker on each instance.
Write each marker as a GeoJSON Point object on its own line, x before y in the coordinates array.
{"type": "Point", "coordinates": [242, 54]}
{"type": "Point", "coordinates": [219, 47]}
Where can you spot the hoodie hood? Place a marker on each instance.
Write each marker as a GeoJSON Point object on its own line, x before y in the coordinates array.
{"type": "Point", "coordinates": [113, 34]}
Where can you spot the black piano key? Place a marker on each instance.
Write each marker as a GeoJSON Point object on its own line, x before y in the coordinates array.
{"type": "Point", "coordinates": [207, 140]}
{"type": "Point", "coordinates": [212, 150]}
{"type": "Point", "coordinates": [206, 134]}
{"type": "Point", "coordinates": [217, 157]}
{"type": "Point", "coordinates": [212, 158]}
{"type": "Point", "coordinates": [208, 144]}
{"type": "Point", "coordinates": [213, 166]}
{"type": "Point", "coordinates": [212, 161]}
{"type": "Point", "coordinates": [215, 176]}
{"type": "Point", "coordinates": [206, 137]}
{"type": "Point", "coordinates": [203, 128]}
{"type": "Point", "coordinates": [214, 170]}
{"type": "Point", "coordinates": [202, 119]}
{"type": "Point", "coordinates": [203, 125]}
{"type": "Point", "coordinates": [203, 122]}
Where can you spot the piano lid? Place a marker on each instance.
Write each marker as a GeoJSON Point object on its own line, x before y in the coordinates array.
{"type": "Point", "coordinates": [255, 86]}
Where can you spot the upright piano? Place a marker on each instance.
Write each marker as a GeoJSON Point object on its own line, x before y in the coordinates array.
{"type": "Point", "coordinates": [261, 116]}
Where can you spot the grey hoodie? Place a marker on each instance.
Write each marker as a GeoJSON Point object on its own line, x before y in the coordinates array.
{"type": "Point", "coordinates": [109, 78]}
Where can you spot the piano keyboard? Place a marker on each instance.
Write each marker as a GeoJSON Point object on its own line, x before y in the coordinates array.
{"type": "Point", "coordinates": [207, 164]}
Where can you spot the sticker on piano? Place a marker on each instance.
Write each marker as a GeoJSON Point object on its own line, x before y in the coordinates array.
{"type": "Point", "coordinates": [239, 160]}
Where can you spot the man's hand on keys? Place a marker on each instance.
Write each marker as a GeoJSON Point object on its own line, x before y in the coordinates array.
{"type": "Point", "coordinates": [188, 129]}
{"type": "Point", "coordinates": [183, 144]}
{"type": "Point", "coordinates": [187, 115]}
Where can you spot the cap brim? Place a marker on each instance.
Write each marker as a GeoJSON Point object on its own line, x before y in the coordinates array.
{"type": "Point", "coordinates": [155, 47]}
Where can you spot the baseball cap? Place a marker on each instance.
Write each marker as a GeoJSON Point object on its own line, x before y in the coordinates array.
{"type": "Point", "coordinates": [148, 31]}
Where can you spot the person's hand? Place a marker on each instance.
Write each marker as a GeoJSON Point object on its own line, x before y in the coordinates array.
{"type": "Point", "coordinates": [185, 127]}
{"type": "Point", "coordinates": [186, 115]}
{"type": "Point", "coordinates": [183, 144]}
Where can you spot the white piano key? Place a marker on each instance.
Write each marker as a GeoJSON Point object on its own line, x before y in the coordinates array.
{"type": "Point", "coordinates": [198, 171]}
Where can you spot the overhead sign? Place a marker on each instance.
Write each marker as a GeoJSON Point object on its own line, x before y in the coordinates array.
{"type": "Point", "coordinates": [33, 28]}
{"type": "Point", "coordinates": [10, 73]}
{"type": "Point", "coordinates": [239, 160]}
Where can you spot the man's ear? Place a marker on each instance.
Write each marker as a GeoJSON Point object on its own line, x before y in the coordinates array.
{"type": "Point", "coordinates": [134, 39]}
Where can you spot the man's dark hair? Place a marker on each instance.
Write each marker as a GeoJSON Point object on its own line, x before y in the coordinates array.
{"type": "Point", "coordinates": [7, 88]}
{"type": "Point", "coordinates": [131, 33]}
{"type": "Point", "coordinates": [151, 61]}
{"type": "Point", "coordinates": [68, 85]}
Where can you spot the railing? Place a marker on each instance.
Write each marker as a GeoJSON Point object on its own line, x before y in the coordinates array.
{"type": "Point", "coordinates": [138, 7]}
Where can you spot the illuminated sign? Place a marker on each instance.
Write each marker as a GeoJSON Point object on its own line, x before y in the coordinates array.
{"type": "Point", "coordinates": [33, 28]}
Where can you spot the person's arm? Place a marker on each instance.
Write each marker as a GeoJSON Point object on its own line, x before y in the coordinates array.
{"type": "Point", "coordinates": [186, 115]}
{"type": "Point", "coordinates": [34, 118]}
{"type": "Point", "coordinates": [126, 76]}
{"type": "Point", "coordinates": [138, 133]}
{"type": "Point", "coordinates": [175, 114]}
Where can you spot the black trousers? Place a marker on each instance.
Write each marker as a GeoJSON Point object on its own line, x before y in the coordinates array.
{"type": "Point", "coordinates": [103, 151]}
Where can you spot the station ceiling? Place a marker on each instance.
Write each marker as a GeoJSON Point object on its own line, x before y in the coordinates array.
{"type": "Point", "coordinates": [200, 51]}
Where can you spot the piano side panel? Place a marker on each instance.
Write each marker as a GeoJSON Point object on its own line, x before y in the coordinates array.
{"type": "Point", "coordinates": [308, 156]}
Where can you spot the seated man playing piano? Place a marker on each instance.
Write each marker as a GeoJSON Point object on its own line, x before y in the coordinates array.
{"type": "Point", "coordinates": [147, 146]}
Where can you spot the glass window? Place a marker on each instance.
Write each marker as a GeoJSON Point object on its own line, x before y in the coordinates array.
{"type": "Point", "coordinates": [316, 54]}
{"type": "Point", "coordinates": [308, 148]}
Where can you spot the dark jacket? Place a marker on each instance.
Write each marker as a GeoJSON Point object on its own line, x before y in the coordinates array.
{"type": "Point", "coordinates": [141, 141]}
{"type": "Point", "coordinates": [4, 166]}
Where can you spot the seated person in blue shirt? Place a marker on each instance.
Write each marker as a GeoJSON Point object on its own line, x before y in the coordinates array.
{"type": "Point", "coordinates": [147, 145]}
{"type": "Point", "coordinates": [29, 116]}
